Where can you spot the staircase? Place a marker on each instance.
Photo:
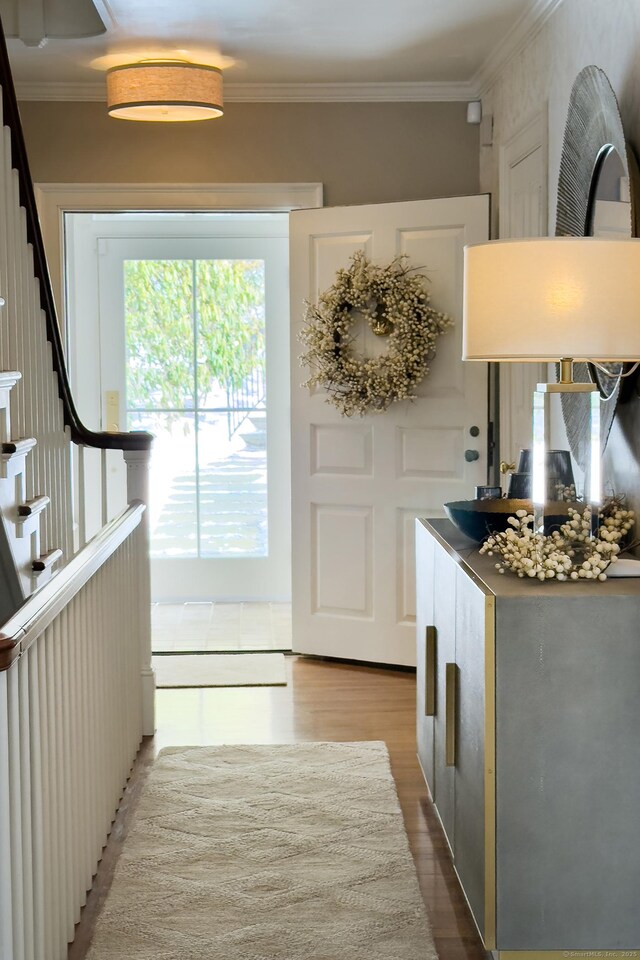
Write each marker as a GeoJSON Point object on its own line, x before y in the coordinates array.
{"type": "Point", "coordinates": [76, 681]}
{"type": "Point", "coordinates": [21, 517]}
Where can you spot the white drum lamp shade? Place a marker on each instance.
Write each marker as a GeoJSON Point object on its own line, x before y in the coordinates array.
{"type": "Point", "coordinates": [554, 297]}
{"type": "Point", "coordinates": [164, 91]}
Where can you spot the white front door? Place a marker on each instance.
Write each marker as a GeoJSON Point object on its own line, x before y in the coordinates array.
{"type": "Point", "coordinates": [358, 483]}
{"type": "Point", "coordinates": [193, 335]}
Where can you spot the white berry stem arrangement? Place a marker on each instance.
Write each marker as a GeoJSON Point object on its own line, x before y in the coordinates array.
{"type": "Point", "coordinates": [569, 553]}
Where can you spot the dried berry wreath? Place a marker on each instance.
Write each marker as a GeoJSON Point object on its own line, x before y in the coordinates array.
{"type": "Point", "coordinates": [395, 302]}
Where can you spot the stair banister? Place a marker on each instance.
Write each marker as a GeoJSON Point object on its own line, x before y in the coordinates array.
{"type": "Point", "coordinates": [80, 434]}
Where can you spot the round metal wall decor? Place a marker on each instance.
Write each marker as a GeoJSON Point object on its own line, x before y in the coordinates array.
{"type": "Point", "coordinates": [595, 145]}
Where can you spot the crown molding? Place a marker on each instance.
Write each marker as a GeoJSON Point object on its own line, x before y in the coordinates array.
{"type": "Point", "coordinates": [277, 92]}
{"type": "Point", "coordinates": [348, 92]}
{"type": "Point", "coordinates": [520, 35]}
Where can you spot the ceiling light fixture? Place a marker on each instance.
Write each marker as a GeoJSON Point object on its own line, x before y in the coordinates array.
{"type": "Point", "coordinates": [165, 91]}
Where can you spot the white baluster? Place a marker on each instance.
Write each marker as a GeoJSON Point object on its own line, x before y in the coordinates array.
{"type": "Point", "coordinates": [15, 784]}
{"type": "Point", "coordinates": [6, 906]}
{"type": "Point", "coordinates": [138, 489]}
{"type": "Point", "coordinates": [47, 823]}
{"type": "Point", "coordinates": [22, 669]}
{"type": "Point", "coordinates": [37, 813]}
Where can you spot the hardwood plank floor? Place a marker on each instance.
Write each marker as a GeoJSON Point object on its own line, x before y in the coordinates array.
{"type": "Point", "coordinates": [323, 701]}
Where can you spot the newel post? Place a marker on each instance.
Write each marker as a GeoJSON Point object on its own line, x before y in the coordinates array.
{"type": "Point", "coordinates": [138, 489]}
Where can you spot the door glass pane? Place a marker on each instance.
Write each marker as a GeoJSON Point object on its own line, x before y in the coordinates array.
{"type": "Point", "coordinates": [173, 502]}
{"type": "Point", "coordinates": [230, 340]}
{"type": "Point", "coordinates": [233, 486]}
{"type": "Point", "coordinates": [209, 465]}
{"type": "Point", "coordinates": [158, 303]}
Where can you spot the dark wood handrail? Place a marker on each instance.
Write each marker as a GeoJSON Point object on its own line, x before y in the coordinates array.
{"type": "Point", "coordinates": [79, 432]}
{"type": "Point", "coordinates": [32, 619]}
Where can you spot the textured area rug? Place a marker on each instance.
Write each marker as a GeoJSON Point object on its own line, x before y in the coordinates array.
{"type": "Point", "coordinates": [220, 670]}
{"type": "Point", "coordinates": [266, 853]}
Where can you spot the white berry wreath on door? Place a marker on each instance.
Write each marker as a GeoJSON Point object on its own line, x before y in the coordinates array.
{"type": "Point", "coordinates": [395, 302]}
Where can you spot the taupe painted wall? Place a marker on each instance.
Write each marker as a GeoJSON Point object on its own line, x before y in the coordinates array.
{"type": "Point", "coordinates": [580, 32]}
{"type": "Point", "coordinates": [361, 152]}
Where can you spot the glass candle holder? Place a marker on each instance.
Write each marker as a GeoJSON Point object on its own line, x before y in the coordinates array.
{"type": "Point", "coordinates": [551, 492]}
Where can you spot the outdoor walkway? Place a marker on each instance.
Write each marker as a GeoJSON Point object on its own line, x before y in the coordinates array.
{"type": "Point", "coordinates": [233, 510]}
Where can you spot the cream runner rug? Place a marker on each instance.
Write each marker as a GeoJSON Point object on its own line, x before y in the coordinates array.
{"type": "Point", "coordinates": [266, 853]}
{"type": "Point", "coordinates": [220, 670]}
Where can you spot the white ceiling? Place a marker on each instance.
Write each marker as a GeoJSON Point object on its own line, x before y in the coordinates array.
{"type": "Point", "coordinates": [428, 45]}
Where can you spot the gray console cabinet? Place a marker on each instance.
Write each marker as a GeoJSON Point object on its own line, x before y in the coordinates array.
{"type": "Point", "coordinates": [529, 738]}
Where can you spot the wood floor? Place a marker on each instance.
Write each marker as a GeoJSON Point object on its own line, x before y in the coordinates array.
{"type": "Point", "coordinates": [323, 701]}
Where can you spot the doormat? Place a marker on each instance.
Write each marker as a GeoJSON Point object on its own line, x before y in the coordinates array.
{"type": "Point", "coordinates": [220, 670]}
{"type": "Point", "coordinates": [248, 852]}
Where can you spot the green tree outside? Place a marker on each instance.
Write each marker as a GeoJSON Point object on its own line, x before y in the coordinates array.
{"type": "Point", "coordinates": [180, 310]}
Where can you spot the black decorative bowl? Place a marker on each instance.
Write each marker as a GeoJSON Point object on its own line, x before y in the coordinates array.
{"type": "Point", "coordinates": [479, 518]}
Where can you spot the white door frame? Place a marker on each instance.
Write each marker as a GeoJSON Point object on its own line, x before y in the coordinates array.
{"type": "Point", "coordinates": [56, 199]}
{"type": "Point", "coordinates": [529, 137]}
{"type": "Point", "coordinates": [517, 383]}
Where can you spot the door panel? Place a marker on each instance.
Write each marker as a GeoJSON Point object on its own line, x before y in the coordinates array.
{"type": "Point", "coordinates": [359, 483]}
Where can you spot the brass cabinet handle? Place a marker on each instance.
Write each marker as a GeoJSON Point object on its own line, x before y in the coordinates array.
{"type": "Point", "coordinates": [451, 710]}
{"type": "Point", "coordinates": [430, 673]}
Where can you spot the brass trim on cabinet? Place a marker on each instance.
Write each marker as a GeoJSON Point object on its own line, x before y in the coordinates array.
{"type": "Point", "coordinates": [490, 773]}
{"type": "Point", "coordinates": [430, 672]}
{"type": "Point", "coordinates": [451, 710]}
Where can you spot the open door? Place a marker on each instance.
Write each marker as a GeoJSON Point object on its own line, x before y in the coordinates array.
{"type": "Point", "coordinates": [358, 483]}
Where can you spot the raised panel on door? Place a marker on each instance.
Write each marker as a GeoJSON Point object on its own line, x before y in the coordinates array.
{"type": "Point", "coordinates": [444, 617]}
{"type": "Point", "coordinates": [469, 847]}
{"type": "Point", "coordinates": [425, 562]}
{"type": "Point", "coordinates": [393, 466]}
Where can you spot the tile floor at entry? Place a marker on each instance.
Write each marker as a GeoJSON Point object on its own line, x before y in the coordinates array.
{"type": "Point", "coordinates": [220, 627]}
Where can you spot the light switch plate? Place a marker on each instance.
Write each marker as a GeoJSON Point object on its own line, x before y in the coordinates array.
{"type": "Point", "coordinates": [112, 411]}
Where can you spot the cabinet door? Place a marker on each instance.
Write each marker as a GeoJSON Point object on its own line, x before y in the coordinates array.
{"type": "Point", "coordinates": [444, 618]}
{"type": "Point", "coordinates": [425, 673]}
{"type": "Point", "coordinates": [469, 817]}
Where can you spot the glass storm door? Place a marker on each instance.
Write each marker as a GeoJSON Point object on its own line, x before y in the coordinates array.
{"type": "Point", "coordinates": [194, 347]}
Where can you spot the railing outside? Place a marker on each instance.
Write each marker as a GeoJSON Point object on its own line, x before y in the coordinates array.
{"type": "Point", "coordinates": [243, 400]}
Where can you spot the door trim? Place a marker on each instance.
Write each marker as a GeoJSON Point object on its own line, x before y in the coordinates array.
{"type": "Point", "coordinates": [56, 199]}
{"type": "Point", "coordinates": [529, 137]}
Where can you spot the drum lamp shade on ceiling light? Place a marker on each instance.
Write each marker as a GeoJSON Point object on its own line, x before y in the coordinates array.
{"type": "Point", "coordinates": [164, 91]}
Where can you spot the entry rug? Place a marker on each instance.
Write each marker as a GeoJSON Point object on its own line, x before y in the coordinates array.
{"type": "Point", "coordinates": [266, 853]}
{"type": "Point", "coordinates": [220, 670]}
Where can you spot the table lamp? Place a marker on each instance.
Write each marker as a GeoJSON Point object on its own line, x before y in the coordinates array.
{"type": "Point", "coordinates": [554, 299]}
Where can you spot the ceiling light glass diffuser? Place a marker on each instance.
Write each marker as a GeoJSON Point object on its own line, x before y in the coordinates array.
{"type": "Point", "coordinates": [164, 91]}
